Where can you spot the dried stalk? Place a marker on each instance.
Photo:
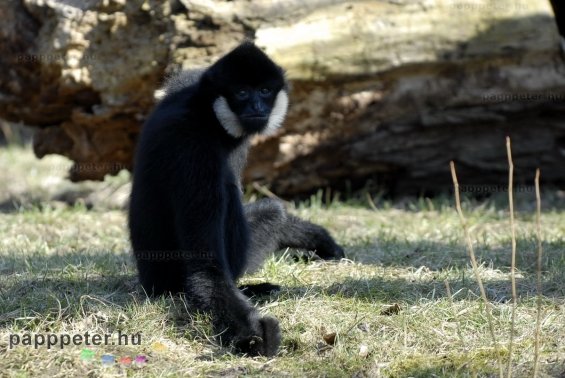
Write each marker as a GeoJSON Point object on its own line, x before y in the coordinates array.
{"type": "Point", "coordinates": [475, 267]}
{"type": "Point", "coordinates": [513, 263]}
{"type": "Point", "coordinates": [538, 234]}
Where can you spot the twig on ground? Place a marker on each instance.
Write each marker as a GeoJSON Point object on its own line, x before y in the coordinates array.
{"type": "Point", "coordinates": [371, 202]}
{"type": "Point", "coordinates": [538, 269]}
{"type": "Point", "coordinates": [513, 263]}
{"type": "Point", "coordinates": [475, 266]}
{"type": "Point", "coordinates": [266, 192]}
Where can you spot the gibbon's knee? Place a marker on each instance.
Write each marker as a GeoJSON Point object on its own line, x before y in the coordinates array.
{"type": "Point", "coordinates": [272, 229]}
{"type": "Point", "coordinates": [265, 217]}
{"type": "Point", "coordinates": [266, 210]}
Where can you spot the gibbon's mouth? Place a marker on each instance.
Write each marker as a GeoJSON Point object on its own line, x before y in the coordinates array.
{"type": "Point", "coordinates": [254, 117]}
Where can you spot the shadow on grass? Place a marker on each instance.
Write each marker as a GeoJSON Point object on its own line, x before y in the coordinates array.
{"type": "Point", "coordinates": [38, 290]}
{"type": "Point", "coordinates": [32, 200]}
{"type": "Point", "coordinates": [388, 290]}
{"type": "Point", "coordinates": [57, 280]}
{"type": "Point", "coordinates": [14, 204]}
{"type": "Point", "coordinates": [440, 256]}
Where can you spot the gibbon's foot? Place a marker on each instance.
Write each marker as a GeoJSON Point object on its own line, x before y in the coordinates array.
{"type": "Point", "coordinates": [259, 290]}
{"type": "Point", "coordinates": [264, 340]}
{"type": "Point", "coordinates": [331, 251]}
{"type": "Point", "coordinates": [305, 257]}
{"type": "Point", "coordinates": [302, 234]}
{"type": "Point", "coordinates": [334, 253]}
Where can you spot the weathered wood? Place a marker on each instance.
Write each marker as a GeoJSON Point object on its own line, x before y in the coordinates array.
{"type": "Point", "coordinates": [383, 90]}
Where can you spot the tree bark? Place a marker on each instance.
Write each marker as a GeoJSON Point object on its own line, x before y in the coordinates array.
{"type": "Point", "coordinates": [387, 91]}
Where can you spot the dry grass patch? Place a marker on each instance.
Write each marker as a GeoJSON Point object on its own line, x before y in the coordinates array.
{"type": "Point", "coordinates": [67, 269]}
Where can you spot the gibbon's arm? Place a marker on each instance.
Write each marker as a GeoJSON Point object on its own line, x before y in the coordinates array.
{"type": "Point", "coordinates": [197, 194]}
{"type": "Point", "coordinates": [208, 285]}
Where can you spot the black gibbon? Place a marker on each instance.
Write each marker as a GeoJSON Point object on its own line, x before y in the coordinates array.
{"type": "Point", "coordinates": [189, 229]}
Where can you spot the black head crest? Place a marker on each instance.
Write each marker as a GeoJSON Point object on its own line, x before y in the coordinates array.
{"type": "Point", "coordinates": [246, 64]}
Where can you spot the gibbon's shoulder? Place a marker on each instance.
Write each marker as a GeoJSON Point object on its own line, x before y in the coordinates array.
{"type": "Point", "coordinates": [179, 81]}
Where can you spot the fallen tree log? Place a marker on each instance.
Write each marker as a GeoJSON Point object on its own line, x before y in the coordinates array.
{"type": "Point", "coordinates": [388, 91]}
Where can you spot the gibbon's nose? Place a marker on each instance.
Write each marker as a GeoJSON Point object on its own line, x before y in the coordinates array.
{"type": "Point", "coordinates": [258, 106]}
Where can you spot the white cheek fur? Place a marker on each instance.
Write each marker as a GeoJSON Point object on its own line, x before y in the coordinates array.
{"type": "Point", "coordinates": [227, 118]}
{"type": "Point", "coordinates": [229, 121]}
{"type": "Point", "coordinates": [278, 114]}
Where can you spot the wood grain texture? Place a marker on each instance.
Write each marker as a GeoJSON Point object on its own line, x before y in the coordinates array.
{"type": "Point", "coordinates": [383, 90]}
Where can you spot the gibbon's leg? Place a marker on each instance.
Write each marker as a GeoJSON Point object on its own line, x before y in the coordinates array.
{"type": "Point", "coordinates": [272, 229]}
{"type": "Point", "coordinates": [298, 233]}
{"type": "Point", "coordinates": [258, 290]}
{"type": "Point", "coordinates": [161, 277]}
{"type": "Point", "coordinates": [160, 264]}
{"type": "Point", "coordinates": [264, 217]}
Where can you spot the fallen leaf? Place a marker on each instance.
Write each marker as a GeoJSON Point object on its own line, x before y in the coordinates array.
{"type": "Point", "coordinates": [329, 338]}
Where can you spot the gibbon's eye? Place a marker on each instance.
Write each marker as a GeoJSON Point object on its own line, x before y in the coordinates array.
{"type": "Point", "coordinates": [241, 94]}
{"type": "Point", "coordinates": [265, 91]}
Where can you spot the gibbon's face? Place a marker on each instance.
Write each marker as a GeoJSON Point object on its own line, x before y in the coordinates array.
{"type": "Point", "coordinates": [252, 92]}
{"type": "Point", "coordinates": [252, 109]}
{"type": "Point", "coordinates": [256, 106]}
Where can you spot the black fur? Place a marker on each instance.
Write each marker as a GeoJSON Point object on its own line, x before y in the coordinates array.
{"type": "Point", "coordinates": [189, 230]}
{"type": "Point", "coordinates": [559, 11]}
{"type": "Point", "coordinates": [273, 229]}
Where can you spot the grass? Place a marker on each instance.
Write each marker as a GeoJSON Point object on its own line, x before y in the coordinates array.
{"type": "Point", "coordinates": [67, 269]}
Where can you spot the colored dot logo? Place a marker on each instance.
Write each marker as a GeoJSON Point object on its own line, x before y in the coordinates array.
{"type": "Point", "coordinates": [86, 355]}
{"type": "Point", "coordinates": [125, 361]}
{"type": "Point", "coordinates": [107, 360]}
{"type": "Point", "coordinates": [140, 360]}
{"type": "Point", "coordinates": [159, 347]}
